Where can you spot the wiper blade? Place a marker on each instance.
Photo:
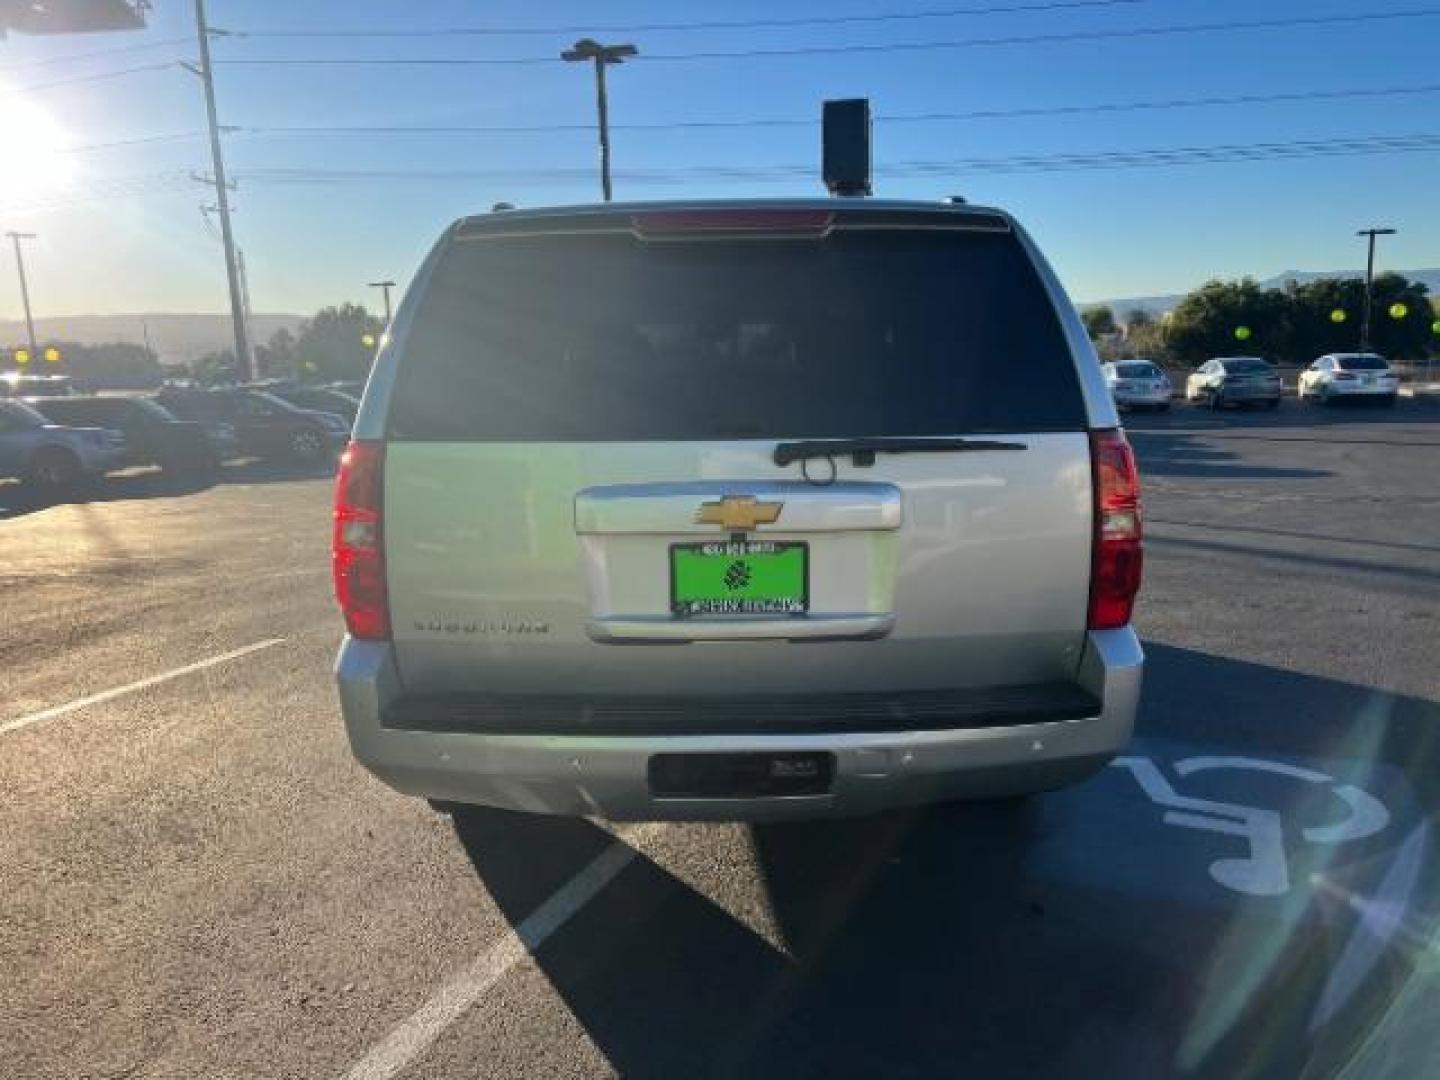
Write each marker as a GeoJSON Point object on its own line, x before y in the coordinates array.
{"type": "Point", "coordinates": [864, 450]}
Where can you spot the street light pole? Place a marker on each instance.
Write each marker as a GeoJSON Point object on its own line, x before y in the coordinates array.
{"type": "Point", "coordinates": [15, 238]}
{"type": "Point", "coordinates": [601, 55]}
{"type": "Point", "coordinates": [384, 287]}
{"type": "Point", "coordinates": [1369, 278]}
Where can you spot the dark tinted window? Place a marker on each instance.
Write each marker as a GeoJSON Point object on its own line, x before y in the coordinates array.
{"type": "Point", "coordinates": [1137, 371]}
{"type": "Point", "coordinates": [261, 403]}
{"type": "Point", "coordinates": [192, 406]}
{"type": "Point", "coordinates": [606, 337]}
{"type": "Point", "coordinates": [1363, 363]}
{"type": "Point", "coordinates": [18, 416]}
{"type": "Point", "coordinates": [1247, 367]}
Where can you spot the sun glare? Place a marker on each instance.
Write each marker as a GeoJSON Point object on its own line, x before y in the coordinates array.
{"type": "Point", "coordinates": [35, 161]}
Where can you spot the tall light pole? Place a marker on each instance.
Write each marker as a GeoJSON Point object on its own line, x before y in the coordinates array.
{"type": "Point", "coordinates": [15, 238]}
{"type": "Point", "coordinates": [1369, 278]}
{"type": "Point", "coordinates": [384, 287]}
{"type": "Point", "coordinates": [222, 196]}
{"type": "Point", "coordinates": [601, 56]}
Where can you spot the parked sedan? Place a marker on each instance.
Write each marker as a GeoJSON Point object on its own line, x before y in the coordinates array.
{"type": "Point", "coordinates": [1234, 380]}
{"type": "Point", "coordinates": [1349, 376]}
{"type": "Point", "coordinates": [153, 436]}
{"type": "Point", "coordinates": [264, 425]}
{"type": "Point", "coordinates": [50, 455]}
{"type": "Point", "coordinates": [1137, 384]}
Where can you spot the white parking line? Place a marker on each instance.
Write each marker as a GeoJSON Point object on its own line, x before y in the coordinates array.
{"type": "Point", "coordinates": [107, 695]}
{"type": "Point", "coordinates": [419, 1031]}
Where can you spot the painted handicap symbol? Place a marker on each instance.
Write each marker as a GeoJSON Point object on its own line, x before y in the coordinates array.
{"type": "Point", "coordinates": [1264, 872]}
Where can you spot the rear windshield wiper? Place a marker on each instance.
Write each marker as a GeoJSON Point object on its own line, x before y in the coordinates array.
{"type": "Point", "coordinates": [863, 451]}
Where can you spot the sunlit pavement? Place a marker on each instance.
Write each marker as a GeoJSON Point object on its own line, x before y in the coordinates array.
{"type": "Point", "coordinates": [198, 881]}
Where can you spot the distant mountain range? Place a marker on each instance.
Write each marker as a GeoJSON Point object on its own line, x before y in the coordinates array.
{"type": "Point", "coordinates": [179, 337]}
{"type": "Point", "coordinates": [176, 337]}
{"type": "Point", "coordinates": [1156, 305]}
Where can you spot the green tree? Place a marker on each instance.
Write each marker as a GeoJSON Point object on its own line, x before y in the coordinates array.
{"type": "Point", "coordinates": [331, 343]}
{"type": "Point", "coordinates": [1230, 318]}
{"type": "Point", "coordinates": [1410, 336]}
{"type": "Point", "coordinates": [1136, 318]}
{"type": "Point", "coordinates": [216, 368]}
{"type": "Point", "coordinates": [1099, 321]}
{"type": "Point", "coordinates": [276, 358]}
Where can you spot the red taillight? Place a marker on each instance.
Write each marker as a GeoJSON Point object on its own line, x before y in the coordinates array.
{"type": "Point", "coordinates": [357, 545]}
{"type": "Point", "coordinates": [771, 223]}
{"type": "Point", "coordinates": [1115, 573]}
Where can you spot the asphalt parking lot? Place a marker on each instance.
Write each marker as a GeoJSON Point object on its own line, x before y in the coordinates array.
{"type": "Point", "coordinates": [197, 880]}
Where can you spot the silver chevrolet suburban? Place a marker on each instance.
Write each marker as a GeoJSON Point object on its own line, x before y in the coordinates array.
{"type": "Point", "coordinates": [736, 510]}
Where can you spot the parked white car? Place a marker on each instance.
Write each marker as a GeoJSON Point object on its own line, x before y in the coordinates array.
{"type": "Point", "coordinates": [1349, 375]}
{"type": "Point", "coordinates": [1137, 384]}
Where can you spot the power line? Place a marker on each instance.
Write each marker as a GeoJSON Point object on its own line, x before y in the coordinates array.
{"type": "Point", "coordinates": [152, 183]}
{"type": "Point", "coordinates": [70, 58]}
{"type": "Point", "coordinates": [892, 118]}
{"type": "Point", "coordinates": [717, 24]}
{"type": "Point", "coordinates": [97, 77]}
{"type": "Point", "coordinates": [139, 140]}
{"type": "Point", "coordinates": [1109, 159]}
{"type": "Point", "coordinates": [864, 48]}
{"type": "Point", "coordinates": [683, 125]}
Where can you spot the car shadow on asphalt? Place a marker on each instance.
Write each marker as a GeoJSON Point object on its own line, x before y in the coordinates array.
{"type": "Point", "coordinates": [18, 499]}
{"type": "Point", "coordinates": [1308, 560]}
{"type": "Point", "coordinates": [1343, 415]}
{"type": "Point", "coordinates": [1177, 453]}
{"type": "Point", "coordinates": [1070, 935]}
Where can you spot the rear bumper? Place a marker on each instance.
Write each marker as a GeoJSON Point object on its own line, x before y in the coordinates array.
{"type": "Point", "coordinates": [1252, 393]}
{"type": "Point", "coordinates": [608, 775]}
{"type": "Point", "coordinates": [1142, 397]}
{"type": "Point", "coordinates": [1362, 390]}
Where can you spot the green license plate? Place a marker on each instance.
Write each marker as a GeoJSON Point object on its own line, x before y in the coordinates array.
{"type": "Point", "coordinates": [754, 577]}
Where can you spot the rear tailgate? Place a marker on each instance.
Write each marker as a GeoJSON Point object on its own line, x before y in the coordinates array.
{"type": "Point", "coordinates": [581, 496]}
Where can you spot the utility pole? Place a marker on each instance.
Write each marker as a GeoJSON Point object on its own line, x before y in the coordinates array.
{"type": "Point", "coordinates": [1369, 278]}
{"type": "Point", "coordinates": [15, 238]}
{"type": "Point", "coordinates": [222, 195]}
{"type": "Point", "coordinates": [601, 55]}
{"type": "Point", "coordinates": [245, 293]}
{"type": "Point", "coordinates": [384, 287]}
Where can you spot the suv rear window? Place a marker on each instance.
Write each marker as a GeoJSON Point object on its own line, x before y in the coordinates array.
{"type": "Point", "coordinates": [605, 337]}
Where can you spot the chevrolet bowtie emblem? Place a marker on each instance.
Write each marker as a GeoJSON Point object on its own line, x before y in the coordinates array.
{"type": "Point", "coordinates": [738, 513]}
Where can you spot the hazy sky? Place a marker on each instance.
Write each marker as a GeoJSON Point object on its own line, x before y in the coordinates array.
{"type": "Point", "coordinates": [120, 228]}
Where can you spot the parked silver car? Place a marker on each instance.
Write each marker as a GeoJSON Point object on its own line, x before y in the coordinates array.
{"type": "Point", "coordinates": [732, 510]}
{"type": "Point", "coordinates": [49, 455]}
{"type": "Point", "coordinates": [1137, 384]}
{"type": "Point", "coordinates": [1234, 380]}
